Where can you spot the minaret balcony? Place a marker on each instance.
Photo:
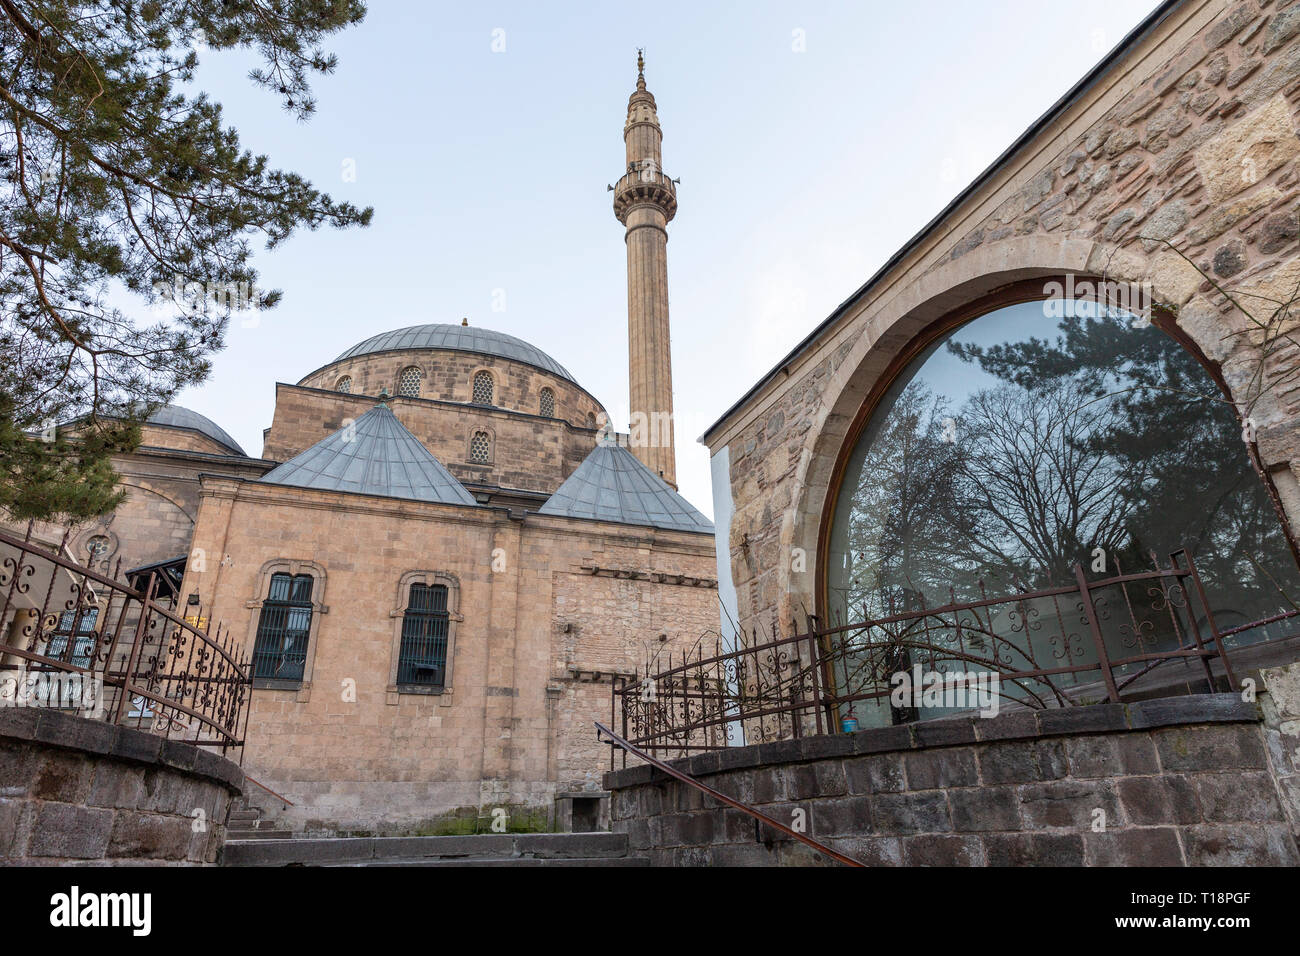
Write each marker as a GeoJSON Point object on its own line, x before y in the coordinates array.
{"type": "Point", "coordinates": [645, 186]}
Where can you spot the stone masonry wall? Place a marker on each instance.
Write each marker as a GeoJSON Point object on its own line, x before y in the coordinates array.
{"type": "Point", "coordinates": [449, 377]}
{"type": "Point", "coordinates": [1189, 138]}
{"type": "Point", "coordinates": [528, 452]}
{"type": "Point", "coordinates": [541, 625]}
{"type": "Point", "coordinates": [76, 791]}
{"type": "Point", "coordinates": [1184, 781]}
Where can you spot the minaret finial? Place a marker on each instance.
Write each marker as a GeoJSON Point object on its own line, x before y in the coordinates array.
{"type": "Point", "coordinates": [640, 68]}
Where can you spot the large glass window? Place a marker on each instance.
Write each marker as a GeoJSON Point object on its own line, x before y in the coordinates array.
{"type": "Point", "coordinates": [1044, 435]}
{"type": "Point", "coordinates": [423, 657]}
{"type": "Point", "coordinates": [283, 629]}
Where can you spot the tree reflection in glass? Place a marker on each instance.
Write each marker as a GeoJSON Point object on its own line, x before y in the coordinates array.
{"type": "Point", "coordinates": [1044, 435]}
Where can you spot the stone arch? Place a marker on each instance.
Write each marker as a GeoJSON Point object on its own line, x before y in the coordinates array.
{"type": "Point", "coordinates": [886, 326]}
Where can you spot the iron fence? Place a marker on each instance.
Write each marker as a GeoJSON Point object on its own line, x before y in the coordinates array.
{"type": "Point", "coordinates": [1083, 643]}
{"type": "Point", "coordinates": [130, 658]}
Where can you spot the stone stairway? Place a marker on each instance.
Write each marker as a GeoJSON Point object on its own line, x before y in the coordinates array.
{"type": "Point", "coordinates": [484, 849]}
{"type": "Point", "coordinates": [245, 823]}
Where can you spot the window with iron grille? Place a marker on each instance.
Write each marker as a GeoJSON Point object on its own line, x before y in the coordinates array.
{"type": "Point", "coordinates": [282, 631]}
{"type": "Point", "coordinates": [480, 447]}
{"type": "Point", "coordinates": [423, 656]}
{"type": "Point", "coordinates": [548, 403]}
{"type": "Point", "coordinates": [409, 382]}
{"type": "Point", "coordinates": [591, 420]}
{"type": "Point", "coordinates": [483, 388]}
{"type": "Point", "coordinates": [344, 384]}
{"type": "Point", "coordinates": [78, 627]}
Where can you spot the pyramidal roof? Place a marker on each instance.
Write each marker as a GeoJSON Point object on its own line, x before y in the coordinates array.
{"type": "Point", "coordinates": [375, 455]}
{"type": "Point", "coordinates": [611, 484]}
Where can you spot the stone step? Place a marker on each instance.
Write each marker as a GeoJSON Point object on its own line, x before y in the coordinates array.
{"type": "Point", "coordinates": [505, 846]}
{"type": "Point", "coordinates": [233, 833]}
{"type": "Point", "coordinates": [244, 816]}
{"type": "Point", "coordinates": [506, 861]}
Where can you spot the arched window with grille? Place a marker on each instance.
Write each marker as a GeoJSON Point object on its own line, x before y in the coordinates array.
{"type": "Point", "coordinates": [422, 660]}
{"type": "Point", "coordinates": [591, 420]}
{"type": "Point", "coordinates": [408, 383]}
{"type": "Point", "coordinates": [483, 388]}
{"type": "Point", "coordinates": [480, 448]}
{"type": "Point", "coordinates": [547, 404]}
{"type": "Point", "coordinates": [344, 384]}
{"type": "Point", "coordinates": [283, 628]}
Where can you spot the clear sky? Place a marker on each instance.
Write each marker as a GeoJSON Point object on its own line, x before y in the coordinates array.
{"type": "Point", "coordinates": [812, 141]}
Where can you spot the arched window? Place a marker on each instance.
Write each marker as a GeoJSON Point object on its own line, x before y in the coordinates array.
{"type": "Point", "coordinates": [408, 383]}
{"type": "Point", "coordinates": [422, 660]}
{"type": "Point", "coordinates": [283, 628]}
{"type": "Point", "coordinates": [591, 420]}
{"type": "Point", "coordinates": [546, 406]}
{"type": "Point", "coordinates": [345, 384]}
{"type": "Point", "coordinates": [483, 388]}
{"type": "Point", "coordinates": [480, 448]}
{"type": "Point", "coordinates": [1036, 438]}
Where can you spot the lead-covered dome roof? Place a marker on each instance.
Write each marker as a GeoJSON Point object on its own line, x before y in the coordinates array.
{"type": "Point", "coordinates": [458, 338]}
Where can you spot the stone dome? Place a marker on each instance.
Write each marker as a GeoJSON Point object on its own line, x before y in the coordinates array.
{"type": "Point", "coordinates": [459, 338]}
{"type": "Point", "coordinates": [175, 416]}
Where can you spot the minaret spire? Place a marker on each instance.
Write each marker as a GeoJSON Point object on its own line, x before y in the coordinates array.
{"type": "Point", "coordinates": [645, 201]}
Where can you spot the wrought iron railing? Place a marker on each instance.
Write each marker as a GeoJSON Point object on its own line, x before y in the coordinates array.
{"type": "Point", "coordinates": [131, 659]}
{"type": "Point", "coordinates": [1057, 647]}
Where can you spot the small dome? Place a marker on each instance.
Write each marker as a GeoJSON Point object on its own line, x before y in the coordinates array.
{"type": "Point", "coordinates": [175, 416]}
{"type": "Point", "coordinates": [459, 338]}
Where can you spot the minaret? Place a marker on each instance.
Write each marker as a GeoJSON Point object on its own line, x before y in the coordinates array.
{"type": "Point", "coordinates": [645, 200]}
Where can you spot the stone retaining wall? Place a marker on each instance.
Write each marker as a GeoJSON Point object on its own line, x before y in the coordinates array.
{"type": "Point", "coordinates": [79, 791]}
{"type": "Point", "coordinates": [1172, 782]}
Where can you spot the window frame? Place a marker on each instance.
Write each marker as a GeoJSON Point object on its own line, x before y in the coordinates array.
{"type": "Point", "coordinates": [1027, 290]}
{"type": "Point", "coordinates": [419, 385]}
{"type": "Point", "coordinates": [492, 446]}
{"type": "Point", "coordinates": [473, 388]}
{"type": "Point", "coordinates": [398, 614]}
{"type": "Point", "coordinates": [546, 393]}
{"type": "Point", "coordinates": [294, 568]}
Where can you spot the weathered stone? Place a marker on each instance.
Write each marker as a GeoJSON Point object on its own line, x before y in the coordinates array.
{"type": "Point", "coordinates": [949, 767]}
{"type": "Point", "coordinates": [849, 816]}
{"type": "Point", "coordinates": [911, 813]}
{"type": "Point", "coordinates": [1156, 846]}
{"type": "Point", "coordinates": [66, 831]}
{"type": "Point", "coordinates": [1230, 26]}
{"type": "Point", "coordinates": [1066, 803]}
{"type": "Point", "coordinates": [1203, 101]}
{"type": "Point", "coordinates": [1165, 223]}
{"type": "Point", "coordinates": [1284, 25]}
{"type": "Point", "coordinates": [939, 850]}
{"type": "Point", "coordinates": [1230, 258]}
{"type": "Point", "coordinates": [1215, 845]}
{"type": "Point", "coordinates": [1248, 150]}
{"type": "Point", "coordinates": [984, 808]}
{"type": "Point", "coordinates": [1211, 748]}
{"type": "Point", "coordinates": [1279, 231]}
{"type": "Point", "coordinates": [882, 773]}
{"type": "Point", "coordinates": [1021, 762]}
{"type": "Point", "coordinates": [1158, 800]}
{"type": "Point", "coordinates": [1034, 849]}
{"type": "Point", "coordinates": [1216, 68]}
{"type": "Point", "coordinates": [1238, 798]}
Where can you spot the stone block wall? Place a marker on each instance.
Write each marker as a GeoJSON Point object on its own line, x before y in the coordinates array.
{"type": "Point", "coordinates": [77, 791]}
{"type": "Point", "coordinates": [1185, 781]}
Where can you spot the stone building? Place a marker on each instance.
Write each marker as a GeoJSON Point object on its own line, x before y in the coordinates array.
{"type": "Point", "coordinates": [443, 558]}
{"type": "Point", "coordinates": [1172, 169]}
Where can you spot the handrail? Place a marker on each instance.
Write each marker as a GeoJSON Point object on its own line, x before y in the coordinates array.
{"type": "Point", "coordinates": [278, 796]}
{"type": "Point", "coordinates": [721, 797]}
